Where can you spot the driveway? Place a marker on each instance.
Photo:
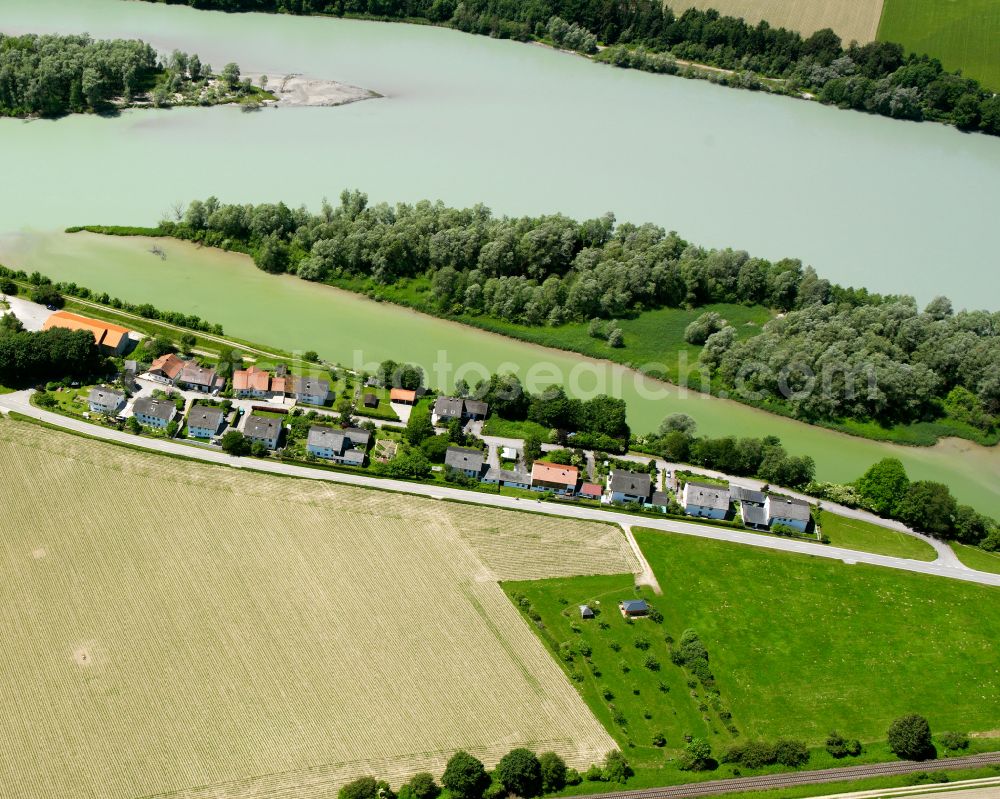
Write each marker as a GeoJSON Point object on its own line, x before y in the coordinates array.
{"type": "Point", "coordinates": [31, 314]}
{"type": "Point", "coordinates": [19, 401]}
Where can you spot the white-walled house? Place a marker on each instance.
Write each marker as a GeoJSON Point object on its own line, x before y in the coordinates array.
{"type": "Point", "coordinates": [707, 501]}
{"type": "Point", "coordinates": [105, 401]}
{"type": "Point", "coordinates": [789, 512]}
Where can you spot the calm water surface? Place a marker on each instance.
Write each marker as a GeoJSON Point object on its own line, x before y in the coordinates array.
{"type": "Point", "coordinates": [893, 206]}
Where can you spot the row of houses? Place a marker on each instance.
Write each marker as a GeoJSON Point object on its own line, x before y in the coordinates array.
{"type": "Point", "coordinates": [759, 511]}
{"type": "Point", "coordinates": [261, 384]}
{"type": "Point", "coordinates": [188, 374]}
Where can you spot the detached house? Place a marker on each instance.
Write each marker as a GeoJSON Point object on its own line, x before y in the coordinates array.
{"type": "Point", "coordinates": [204, 421]}
{"type": "Point", "coordinates": [511, 478]}
{"type": "Point", "coordinates": [340, 446]}
{"type": "Point", "coordinates": [311, 390]}
{"type": "Point", "coordinates": [252, 382]}
{"type": "Point", "coordinates": [447, 409]}
{"type": "Point", "coordinates": [554, 477]}
{"type": "Point", "coordinates": [626, 486]}
{"type": "Point", "coordinates": [707, 501]}
{"type": "Point", "coordinates": [263, 429]}
{"type": "Point", "coordinates": [468, 461]}
{"type": "Point", "coordinates": [154, 412]}
{"type": "Point", "coordinates": [105, 401]}
{"type": "Point", "coordinates": [790, 512]}
{"type": "Point", "coordinates": [199, 378]}
{"type": "Point", "coordinates": [166, 369]}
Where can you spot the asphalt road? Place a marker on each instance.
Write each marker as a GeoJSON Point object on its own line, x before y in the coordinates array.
{"type": "Point", "coordinates": [19, 402]}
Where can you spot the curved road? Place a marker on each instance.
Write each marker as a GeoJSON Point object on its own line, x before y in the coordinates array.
{"type": "Point", "coordinates": [795, 778]}
{"type": "Point", "coordinates": [20, 402]}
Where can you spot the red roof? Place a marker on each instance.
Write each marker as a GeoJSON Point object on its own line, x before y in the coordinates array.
{"type": "Point", "coordinates": [402, 395]}
{"type": "Point", "coordinates": [591, 489]}
{"type": "Point", "coordinates": [169, 364]}
{"type": "Point", "coordinates": [554, 473]}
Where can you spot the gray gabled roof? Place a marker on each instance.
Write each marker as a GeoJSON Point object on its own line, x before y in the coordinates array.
{"type": "Point", "coordinates": [358, 436]}
{"type": "Point", "coordinates": [635, 605]}
{"type": "Point", "coordinates": [741, 494]}
{"type": "Point", "coordinates": [448, 406]}
{"type": "Point", "coordinates": [262, 427]}
{"type": "Point", "coordinates": [197, 375]}
{"type": "Point", "coordinates": [586, 612]}
{"type": "Point", "coordinates": [205, 416]}
{"type": "Point", "coordinates": [475, 407]}
{"type": "Point", "coordinates": [660, 498]}
{"type": "Point", "coordinates": [464, 458]}
{"type": "Point", "coordinates": [312, 386]}
{"type": "Point", "coordinates": [157, 408]}
{"type": "Point", "coordinates": [633, 483]}
{"type": "Point", "coordinates": [326, 438]}
{"type": "Point", "coordinates": [106, 396]}
{"type": "Point", "coordinates": [753, 514]}
{"type": "Point", "coordinates": [788, 508]}
{"type": "Point", "coordinates": [507, 475]}
{"type": "Point", "coordinates": [706, 496]}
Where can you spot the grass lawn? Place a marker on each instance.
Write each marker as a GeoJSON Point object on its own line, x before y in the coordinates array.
{"type": "Point", "coordinates": [798, 646]}
{"type": "Point", "coordinates": [976, 558]}
{"type": "Point", "coordinates": [506, 428]}
{"type": "Point", "coordinates": [868, 537]}
{"type": "Point", "coordinates": [963, 34]}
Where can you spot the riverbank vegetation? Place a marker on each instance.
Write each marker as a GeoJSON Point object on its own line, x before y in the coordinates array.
{"type": "Point", "coordinates": [878, 77]}
{"type": "Point", "coordinates": [844, 357]}
{"type": "Point", "coordinates": [52, 75]}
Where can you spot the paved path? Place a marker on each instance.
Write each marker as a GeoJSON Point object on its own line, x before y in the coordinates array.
{"type": "Point", "coordinates": [19, 401]}
{"type": "Point", "coordinates": [31, 314]}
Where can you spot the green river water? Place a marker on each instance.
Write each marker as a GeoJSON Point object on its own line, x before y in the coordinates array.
{"type": "Point", "coordinates": [891, 205]}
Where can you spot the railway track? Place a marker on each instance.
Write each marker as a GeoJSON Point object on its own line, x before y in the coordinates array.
{"type": "Point", "coordinates": [796, 778]}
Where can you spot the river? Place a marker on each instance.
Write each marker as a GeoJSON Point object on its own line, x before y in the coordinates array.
{"type": "Point", "coordinates": [894, 206]}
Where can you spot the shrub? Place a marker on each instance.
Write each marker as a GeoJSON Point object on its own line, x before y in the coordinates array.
{"type": "Point", "coordinates": [422, 786]}
{"type": "Point", "coordinates": [642, 643]}
{"type": "Point", "coordinates": [910, 738]}
{"type": "Point", "coordinates": [365, 788]}
{"type": "Point", "coordinates": [757, 754]}
{"type": "Point", "coordinates": [791, 753]}
{"type": "Point", "coordinates": [616, 767]}
{"type": "Point", "coordinates": [836, 744]}
{"type": "Point", "coordinates": [659, 739]}
{"type": "Point", "coordinates": [573, 777]}
{"type": "Point", "coordinates": [697, 755]}
{"type": "Point", "coordinates": [594, 774]}
{"type": "Point", "coordinates": [652, 663]}
{"type": "Point", "coordinates": [953, 741]}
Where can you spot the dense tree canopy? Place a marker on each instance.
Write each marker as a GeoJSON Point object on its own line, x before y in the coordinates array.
{"type": "Point", "coordinates": [910, 738]}
{"type": "Point", "coordinates": [831, 352]}
{"type": "Point", "coordinates": [27, 358]}
{"type": "Point", "coordinates": [878, 77]}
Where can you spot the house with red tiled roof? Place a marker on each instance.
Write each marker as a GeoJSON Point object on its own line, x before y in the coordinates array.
{"type": "Point", "coordinates": [166, 368]}
{"type": "Point", "coordinates": [554, 477]}
{"type": "Point", "coordinates": [110, 339]}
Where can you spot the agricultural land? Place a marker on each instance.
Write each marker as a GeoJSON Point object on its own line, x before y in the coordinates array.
{"type": "Point", "coordinates": [797, 647]}
{"type": "Point", "coordinates": [851, 19]}
{"type": "Point", "coordinates": [205, 632]}
{"type": "Point", "coordinates": [963, 34]}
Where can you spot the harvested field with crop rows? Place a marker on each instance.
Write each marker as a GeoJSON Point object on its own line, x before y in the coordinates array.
{"type": "Point", "coordinates": [183, 629]}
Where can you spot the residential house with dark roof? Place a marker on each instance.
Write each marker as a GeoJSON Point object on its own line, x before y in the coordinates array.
{"type": "Point", "coordinates": [476, 409]}
{"type": "Point", "coordinates": [311, 390]}
{"type": "Point", "coordinates": [787, 511]}
{"type": "Point", "coordinates": [370, 400]}
{"type": "Point", "coordinates": [340, 446]}
{"type": "Point", "coordinates": [510, 478]}
{"type": "Point", "coordinates": [554, 477]}
{"type": "Point", "coordinates": [465, 460]}
{"type": "Point", "coordinates": [154, 412]}
{"type": "Point", "coordinates": [660, 501]}
{"type": "Point", "coordinates": [632, 608]}
{"type": "Point", "coordinates": [105, 401]}
{"type": "Point", "coordinates": [263, 429]}
{"type": "Point", "coordinates": [626, 486]}
{"type": "Point", "coordinates": [204, 421]}
{"type": "Point", "coordinates": [707, 501]}
{"type": "Point", "coordinates": [447, 409]}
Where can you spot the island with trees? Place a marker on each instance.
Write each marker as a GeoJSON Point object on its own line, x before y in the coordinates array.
{"type": "Point", "coordinates": [878, 77]}
{"type": "Point", "coordinates": [51, 76]}
{"type": "Point", "coordinates": [869, 364]}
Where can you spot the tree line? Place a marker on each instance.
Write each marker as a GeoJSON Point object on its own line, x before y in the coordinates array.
{"type": "Point", "coordinates": [28, 358]}
{"type": "Point", "coordinates": [53, 75]}
{"type": "Point", "coordinates": [878, 77]}
{"type": "Point", "coordinates": [881, 358]}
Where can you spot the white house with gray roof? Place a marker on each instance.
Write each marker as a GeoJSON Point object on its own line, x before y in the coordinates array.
{"type": "Point", "coordinates": [311, 390]}
{"type": "Point", "coordinates": [263, 429]}
{"type": "Point", "coordinates": [204, 421]}
{"type": "Point", "coordinates": [626, 486]}
{"type": "Point", "coordinates": [789, 512]}
{"type": "Point", "coordinates": [154, 412]}
{"type": "Point", "coordinates": [512, 478]}
{"type": "Point", "coordinates": [340, 446]}
{"type": "Point", "coordinates": [105, 400]}
{"type": "Point", "coordinates": [467, 461]}
{"type": "Point", "coordinates": [707, 501]}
